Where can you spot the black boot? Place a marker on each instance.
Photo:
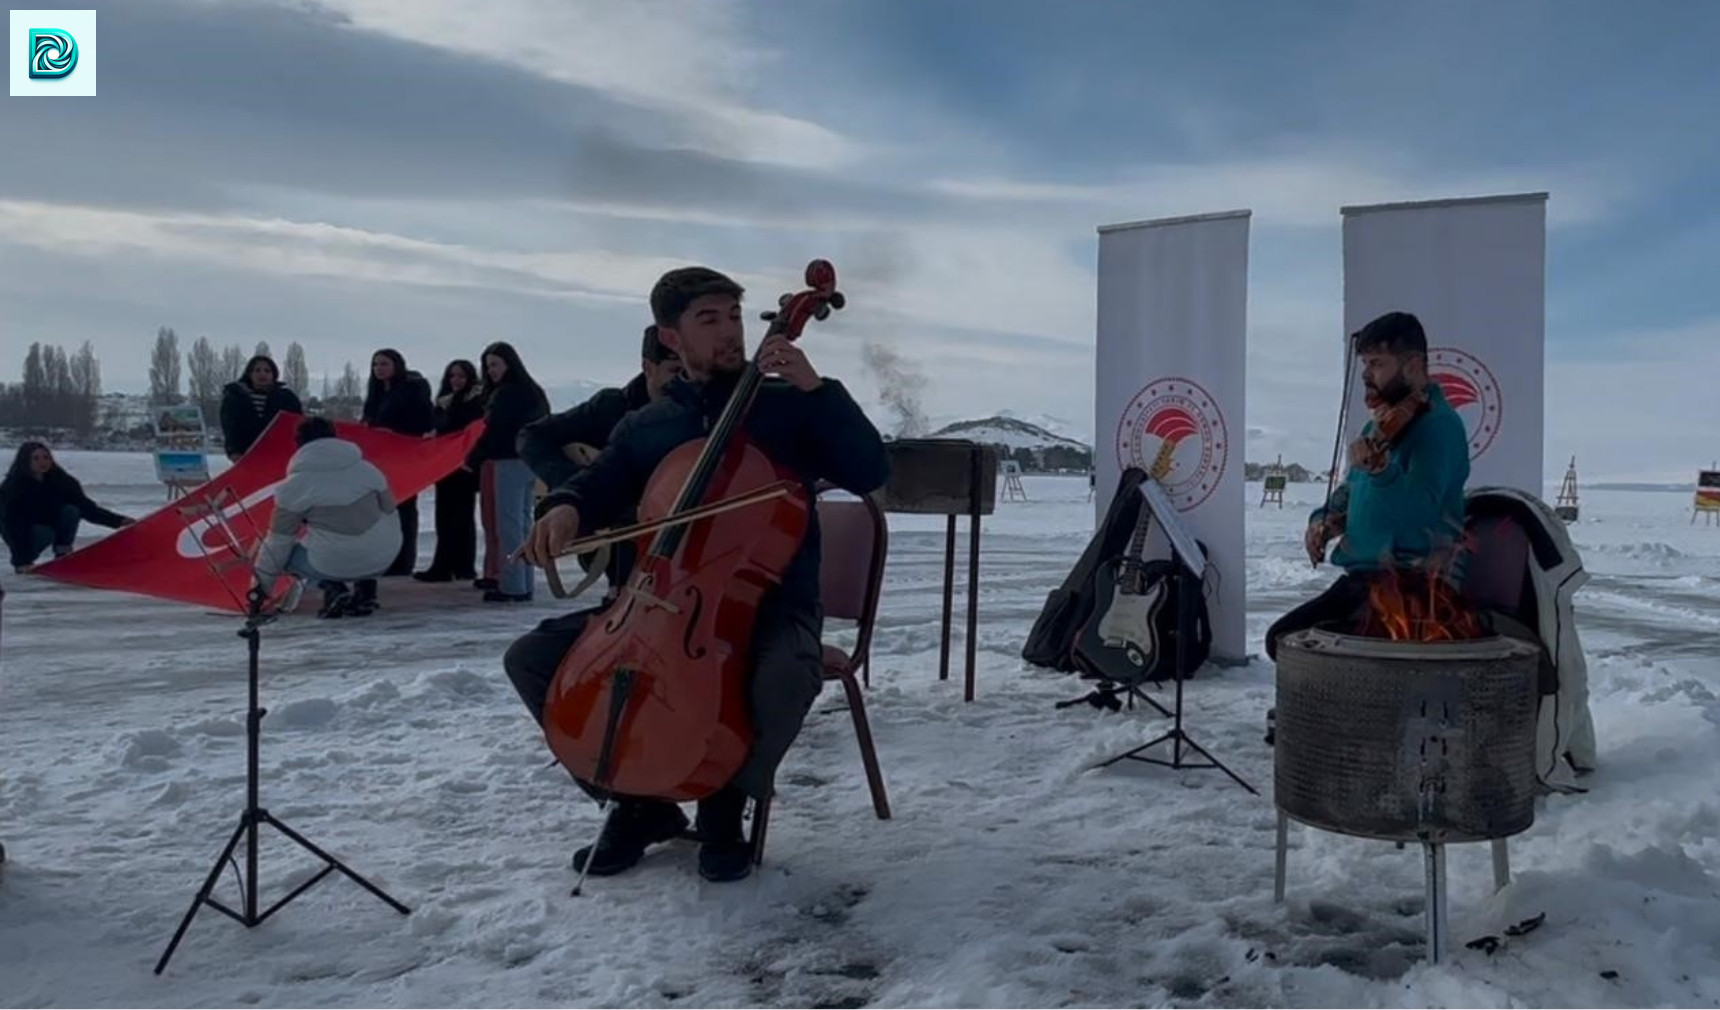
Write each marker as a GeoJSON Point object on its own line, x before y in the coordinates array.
{"type": "Point", "coordinates": [634, 826]}
{"type": "Point", "coordinates": [723, 850]}
{"type": "Point", "coordinates": [336, 598]}
{"type": "Point", "coordinates": [363, 602]}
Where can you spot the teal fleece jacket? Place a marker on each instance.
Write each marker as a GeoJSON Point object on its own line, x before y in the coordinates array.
{"type": "Point", "coordinates": [1414, 507]}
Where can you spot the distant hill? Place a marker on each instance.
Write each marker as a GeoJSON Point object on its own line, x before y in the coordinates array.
{"type": "Point", "coordinates": [1030, 445]}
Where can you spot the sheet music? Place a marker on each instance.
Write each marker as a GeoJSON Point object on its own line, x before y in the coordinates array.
{"type": "Point", "coordinates": [1170, 520]}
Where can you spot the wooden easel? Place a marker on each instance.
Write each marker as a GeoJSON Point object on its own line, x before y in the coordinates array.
{"type": "Point", "coordinates": [1566, 505]}
{"type": "Point", "coordinates": [1275, 482]}
{"type": "Point", "coordinates": [1707, 502]}
{"type": "Point", "coordinates": [1012, 489]}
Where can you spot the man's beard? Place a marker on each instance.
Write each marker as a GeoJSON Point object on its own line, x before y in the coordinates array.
{"type": "Point", "coordinates": [1393, 392]}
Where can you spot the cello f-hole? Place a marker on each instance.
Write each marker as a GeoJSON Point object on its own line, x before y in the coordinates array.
{"type": "Point", "coordinates": [688, 649]}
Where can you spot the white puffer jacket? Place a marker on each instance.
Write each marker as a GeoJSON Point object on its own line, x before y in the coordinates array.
{"type": "Point", "coordinates": [343, 504]}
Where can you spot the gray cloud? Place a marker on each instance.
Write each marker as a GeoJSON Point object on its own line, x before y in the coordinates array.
{"type": "Point", "coordinates": [199, 97]}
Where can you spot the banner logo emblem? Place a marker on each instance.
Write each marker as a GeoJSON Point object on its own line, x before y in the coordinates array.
{"type": "Point", "coordinates": [1472, 391]}
{"type": "Point", "coordinates": [1177, 420]}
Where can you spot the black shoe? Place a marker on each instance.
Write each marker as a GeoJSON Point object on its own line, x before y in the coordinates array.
{"type": "Point", "coordinates": [431, 575]}
{"type": "Point", "coordinates": [497, 596]}
{"type": "Point", "coordinates": [724, 854]}
{"type": "Point", "coordinates": [633, 827]}
{"type": "Point", "coordinates": [336, 598]}
{"type": "Point", "coordinates": [486, 584]}
{"type": "Point", "coordinates": [363, 601]}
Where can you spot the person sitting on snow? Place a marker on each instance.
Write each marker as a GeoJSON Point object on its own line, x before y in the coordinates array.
{"type": "Point", "coordinates": [342, 503]}
{"type": "Point", "coordinates": [1401, 504]}
{"type": "Point", "coordinates": [41, 506]}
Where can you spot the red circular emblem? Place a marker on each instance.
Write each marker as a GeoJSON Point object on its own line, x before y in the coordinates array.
{"type": "Point", "coordinates": [1175, 425]}
{"type": "Point", "coordinates": [1470, 388]}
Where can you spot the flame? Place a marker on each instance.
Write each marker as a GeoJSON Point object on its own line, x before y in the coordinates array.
{"type": "Point", "coordinates": [1419, 605]}
{"type": "Point", "coordinates": [1458, 390]}
{"type": "Point", "coordinates": [1172, 424]}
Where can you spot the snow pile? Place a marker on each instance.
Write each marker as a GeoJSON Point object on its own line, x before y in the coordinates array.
{"type": "Point", "coordinates": [1013, 872]}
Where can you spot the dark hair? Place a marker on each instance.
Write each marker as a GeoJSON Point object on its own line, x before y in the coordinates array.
{"type": "Point", "coordinates": [516, 372]}
{"type": "Point", "coordinates": [313, 428]}
{"type": "Point", "coordinates": [375, 390]}
{"type": "Point", "coordinates": [653, 350]}
{"type": "Point", "coordinates": [466, 368]}
{"type": "Point", "coordinates": [1393, 333]}
{"type": "Point", "coordinates": [245, 376]}
{"type": "Point", "coordinates": [20, 469]}
{"type": "Point", "coordinates": [681, 287]}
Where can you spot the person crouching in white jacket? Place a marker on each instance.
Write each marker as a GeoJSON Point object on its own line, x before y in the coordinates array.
{"type": "Point", "coordinates": [343, 505]}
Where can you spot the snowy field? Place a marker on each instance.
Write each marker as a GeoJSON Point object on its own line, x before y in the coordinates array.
{"type": "Point", "coordinates": [1012, 873]}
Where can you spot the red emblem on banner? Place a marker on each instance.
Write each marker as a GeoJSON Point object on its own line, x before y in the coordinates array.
{"type": "Point", "coordinates": [161, 556]}
{"type": "Point", "coordinates": [1176, 422]}
{"type": "Point", "coordinates": [1470, 388]}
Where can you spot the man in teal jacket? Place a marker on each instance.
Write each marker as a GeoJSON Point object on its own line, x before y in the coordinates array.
{"type": "Point", "coordinates": [1397, 508]}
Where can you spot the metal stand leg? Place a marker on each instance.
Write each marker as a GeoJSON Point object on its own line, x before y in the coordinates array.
{"type": "Point", "coordinates": [1278, 873]}
{"type": "Point", "coordinates": [1501, 865]}
{"type": "Point", "coordinates": [1434, 854]}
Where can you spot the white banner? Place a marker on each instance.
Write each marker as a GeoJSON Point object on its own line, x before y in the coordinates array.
{"type": "Point", "coordinates": [1474, 272]}
{"type": "Point", "coordinates": [1172, 355]}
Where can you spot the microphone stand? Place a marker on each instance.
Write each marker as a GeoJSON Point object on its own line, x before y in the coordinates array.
{"type": "Point", "coordinates": [255, 816]}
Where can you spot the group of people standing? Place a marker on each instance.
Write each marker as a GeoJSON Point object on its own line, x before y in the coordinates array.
{"type": "Point", "coordinates": [492, 479]}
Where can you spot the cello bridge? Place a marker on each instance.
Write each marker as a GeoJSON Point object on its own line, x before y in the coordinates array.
{"type": "Point", "coordinates": [655, 601]}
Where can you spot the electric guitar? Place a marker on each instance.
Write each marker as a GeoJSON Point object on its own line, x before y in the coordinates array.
{"type": "Point", "coordinates": [1119, 641]}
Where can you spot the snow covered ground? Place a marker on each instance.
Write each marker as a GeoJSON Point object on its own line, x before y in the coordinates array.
{"type": "Point", "coordinates": [1012, 873]}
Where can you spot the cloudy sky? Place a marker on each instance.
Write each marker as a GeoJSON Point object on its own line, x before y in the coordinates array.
{"type": "Point", "coordinates": [432, 175]}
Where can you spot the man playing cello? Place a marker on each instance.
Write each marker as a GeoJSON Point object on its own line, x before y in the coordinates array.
{"type": "Point", "coordinates": [804, 423]}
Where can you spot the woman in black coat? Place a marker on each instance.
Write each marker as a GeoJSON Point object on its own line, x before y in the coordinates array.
{"type": "Point", "coordinates": [250, 402]}
{"type": "Point", "coordinates": [41, 505]}
{"type": "Point", "coordinates": [398, 400]}
{"type": "Point", "coordinates": [459, 403]}
{"type": "Point", "coordinates": [512, 401]}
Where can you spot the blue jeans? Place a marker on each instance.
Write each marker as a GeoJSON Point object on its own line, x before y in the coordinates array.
{"type": "Point", "coordinates": [512, 482]}
{"type": "Point", "coordinates": [39, 538]}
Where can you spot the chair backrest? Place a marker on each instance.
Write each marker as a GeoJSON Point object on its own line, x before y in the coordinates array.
{"type": "Point", "coordinates": [1498, 565]}
{"type": "Point", "coordinates": [854, 540]}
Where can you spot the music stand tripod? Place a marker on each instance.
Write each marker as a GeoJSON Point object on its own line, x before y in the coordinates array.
{"type": "Point", "coordinates": [255, 816]}
{"type": "Point", "coordinates": [1191, 565]}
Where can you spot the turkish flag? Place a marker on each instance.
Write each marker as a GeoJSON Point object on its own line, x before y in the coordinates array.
{"type": "Point", "coordinates": [197, 549]}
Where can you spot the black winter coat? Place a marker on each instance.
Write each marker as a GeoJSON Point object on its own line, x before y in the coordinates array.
{"type": "Point", "coordinates": [30, 502]}
{"type": "Point", "coordinates": [241, 425]}
{"type": "Point", "coordinates": [406, 407]}
{"type": "Point", "coordinates": [511, 406]}
{"type": "Point", "coordinates": [460, 412]}
{"type": "Point", "coordinates": [821, 435]}
{"type": "Point", "coordinates": [592, 422]}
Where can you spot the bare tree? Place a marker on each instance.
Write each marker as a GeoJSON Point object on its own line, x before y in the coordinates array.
{"type": "Point", "coordinates": [262, 350]}
{"type": "Point", "coordinates": [297, 376]}
{"type": "Point", "coordinates": [205, 377]}
{"type": "Point", "coordinates": [164, 367]}
{"type": "Point", "coordinates": [233, 362]}
{"type": "Point", "coordinates": [348, 398]}
{"type": "Point", "coordinates": [87, 386]}
{"type": "Point", "coordinates": [35, 392]}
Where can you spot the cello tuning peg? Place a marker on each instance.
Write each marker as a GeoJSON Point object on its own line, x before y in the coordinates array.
{"type": "Point", "coordinates": [783, 300]}
{"type": "Point", "coordinates": [822, 313]}
{"type": "Point", "coordinates": [837, 300]}
{"type": "Point", "coordinates": [767, 316]}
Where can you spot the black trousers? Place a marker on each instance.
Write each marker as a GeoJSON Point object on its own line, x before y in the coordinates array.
{"type": "Point", "coordinates": [787, 676]}
{"type": "Point", "coordinates": [1343, 603]}
{"type": "Point", "coordinates": [456, 526]}
{"type": "Point", "coordinates": [408, 556]}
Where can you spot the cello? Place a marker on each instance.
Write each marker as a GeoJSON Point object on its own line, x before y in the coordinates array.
{"type": "Point", "coordinates": [652, 699]}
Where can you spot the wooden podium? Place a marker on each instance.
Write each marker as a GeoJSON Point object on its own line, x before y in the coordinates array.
{"type": "Point", "coordinates": [947, 477]}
